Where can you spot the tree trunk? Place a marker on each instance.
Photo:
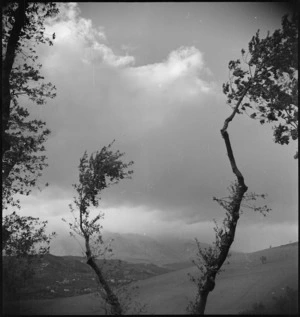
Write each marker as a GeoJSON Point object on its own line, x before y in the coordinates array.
{"type": "Point", "coordinates": [237, 200]}
{"type": "Point", "coordinates": [202, 302]}
{"type": "Point", "coordinates": [20, 16]}
{"type": "Point", "coordinates": [111, 297]}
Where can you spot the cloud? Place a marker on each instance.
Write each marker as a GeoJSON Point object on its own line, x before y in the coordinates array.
{"type": "Point", "coordinates": [263, 235]}
{"type": "Point", "coordinates": [183, 65]}
{"type": "Point", "coordinates": [83, 38]}
{"type": "Point", "coordinates": [103, 54]}
{"type": "Point", "coordinates": [69, 26]}
{"type": "Point", "coordinates": [165, 115]}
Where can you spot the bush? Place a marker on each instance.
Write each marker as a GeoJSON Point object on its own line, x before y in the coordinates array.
{"type": "Point", "coordinates": [286, 304]}
{"type": "Point", "coordinates": [17, 273]}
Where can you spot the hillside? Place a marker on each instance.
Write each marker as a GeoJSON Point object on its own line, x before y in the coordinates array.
{"type": "Point", "coordinates": [245, 281]}
{"type": "Point", "coordinates": [70, 275]}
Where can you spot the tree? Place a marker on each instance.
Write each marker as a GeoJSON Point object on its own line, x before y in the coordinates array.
{"type": "Point", "coordinates": [263, 259]}
{"type": "Point", "coordinates": [101, 170]}
{"type": "Point", "coordinates": [23, 238]}
{"type": "Point", "coordinates": [22, 137]}
{"type": "Point", "coordinates": [269, 88]}
{"type": "Point", "coordinates": [24, 242]}
{"type": "Point", "coordinates": [267, 80]}
{"type": "Point", "coordinates": [209, 261]}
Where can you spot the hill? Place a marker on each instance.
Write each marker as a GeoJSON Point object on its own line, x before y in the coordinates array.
{"type": "Point", "coordinates": [134, 248]}
{"type": "Point", "coordinates": [67, 276]}
{"type": "Point", "coordinates": [245, 281]}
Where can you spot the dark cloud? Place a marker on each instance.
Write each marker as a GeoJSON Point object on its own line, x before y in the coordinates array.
{"type": "Point", "coordinates": [167, 118]}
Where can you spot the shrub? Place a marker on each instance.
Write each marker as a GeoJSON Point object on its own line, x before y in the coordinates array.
{"type": "Point", "coordinates": [286, 304]}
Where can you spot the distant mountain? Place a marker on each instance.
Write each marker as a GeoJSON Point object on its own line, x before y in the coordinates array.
{"type": "Point", "coordinates": [134, 248]}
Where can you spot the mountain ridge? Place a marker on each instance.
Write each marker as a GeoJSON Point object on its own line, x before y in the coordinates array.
{"type": "Point", "coordinates": [137, 248]}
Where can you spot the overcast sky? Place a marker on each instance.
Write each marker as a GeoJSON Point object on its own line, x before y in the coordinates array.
{"type": "Point", "coordinates": [149, 75]}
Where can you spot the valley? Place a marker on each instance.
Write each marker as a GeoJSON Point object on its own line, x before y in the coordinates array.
{"type": "Point", "coordinates": [66, 285]}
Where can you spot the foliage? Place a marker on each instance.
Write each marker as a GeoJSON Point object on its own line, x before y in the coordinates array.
{"type": "Point", "coordinates": [23, 137]}
{"type": "Point", "coordinates": [17, 272]}
{"type": "Point", "coordinates": [206, 264]}
{"type": "Point", "coordinates": [103, 169]}
{"type": "Point", "coordinates": [24, 236]}
{"type": "Point", "coordinates": [286, 304]}
{"type": "Point", "coordinates": [24, 241]}
{"type": "Point", "coordinates": [248, 202]}
{"type": "Point", "coordinates": [267, 85]}
{"type": "Point", "coordinates": [268, 73]}
{"type": "Point", "coordinates": [97, 172]}
{"type": "Point", "coordinates": [209, 260]}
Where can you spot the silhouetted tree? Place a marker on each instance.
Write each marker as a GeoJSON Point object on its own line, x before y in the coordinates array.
{"type": "Point", "coordinates": [22, 138]}
{"type": "Point", "coordinates": [23, 238]}
{"type": "Point", "coordinates": [101, 170]}
{"type": "Point", "coordinates": [268, 86]}
{"type": "Point", "coordinates": [209, 261]}
{"type": "Point", "coordinates": [24, 242]}
{"type": "Point", "coordinates": [267, 80]}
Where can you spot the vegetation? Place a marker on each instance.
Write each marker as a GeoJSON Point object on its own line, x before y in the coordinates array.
{"type": "Point", "coordinates": [22, 137]}
{"type": "Point", "coordinates": [266, 80]}
{"type": "Point", "coordinates": [264, 86]}
{"type": "Point", "coordinates": [209, 261]}
{"type": "Point", "coordinates": [268, 87]}
{"type": "Point", "coordinates": [263, 259]}
{"type": "Point", "coordinates": [101, 170]}
{"type": "Point", "coordinates": [24, 242]}
{"type": "Point", "coordinates": [286, 304]}
{"type": "Point", "coordinates": [67, 276]}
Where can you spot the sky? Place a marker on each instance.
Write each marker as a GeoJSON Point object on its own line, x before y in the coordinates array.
{"type": "Point", "coordinates": [150, 75]}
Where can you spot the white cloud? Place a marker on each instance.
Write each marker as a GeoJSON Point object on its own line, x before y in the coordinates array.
{"type": "Point", "coordinates": [184, 63]}
{"type": "Point", "coordinates": [69, 26]}
{"type": "Point", "coordinates": [178, 77]}
{"type": "Point", "coordinates": [78, 35]}
{"type": "Point", "coordinates": [104, 54]}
